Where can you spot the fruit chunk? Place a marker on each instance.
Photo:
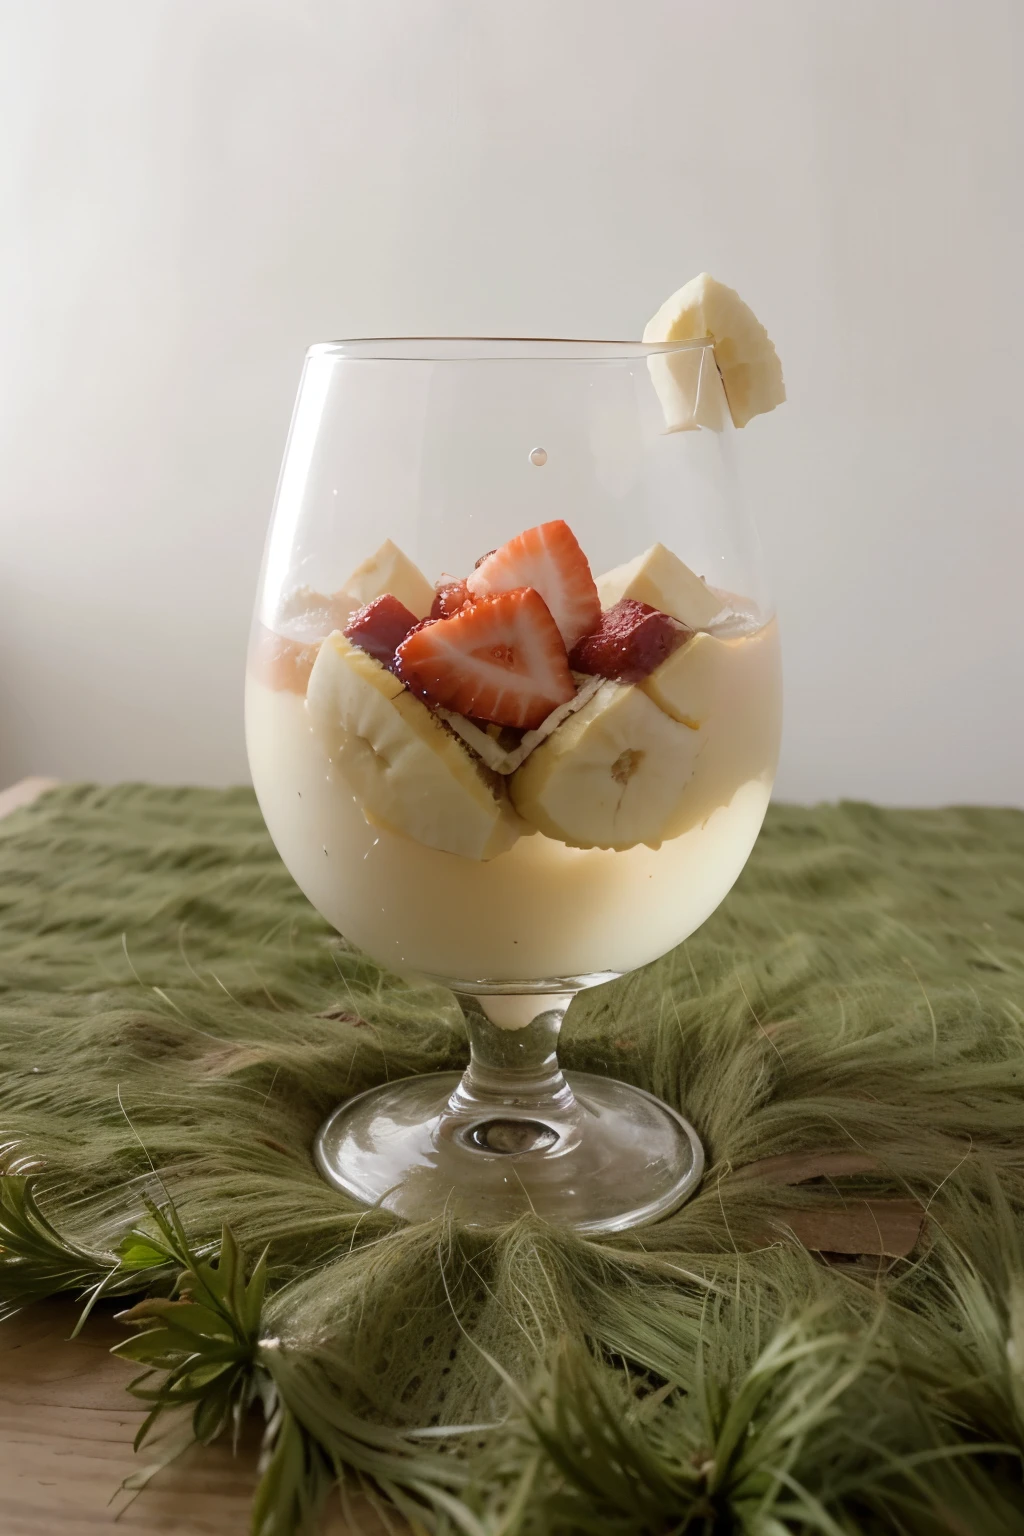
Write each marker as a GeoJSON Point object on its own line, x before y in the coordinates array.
{"type": "Point", "coordinates": [746, 358]}
{"type": "Point", "coordinates": [304, 614]}
{"type": "Point", "coordinates": [728, 692]}
{"type": "Point", "coordinates": [499, 659]}
{"type": "Point", "coordinates": [389, 570]}
{"type": "Point", "coordinates": [450, 595]}
{"type": "Point", "coordinates": [408, 772]}
{"type": "Point", "coordinates": [688, 686]}
{"type": "Point", "coordinates": [611, 776]}
{"type": "Point", "coordinates": [660, 579]}
{"type": "Point", "coordinates": [548, 559]}
{"type": "Point", "coordinates": [280, 662]}
{"type": "Point", "coordinates": [689, 388]}
{"type": "Point", "coordinates": [630, 641]}
{"type": "Point", "coordinates": [380, 627]}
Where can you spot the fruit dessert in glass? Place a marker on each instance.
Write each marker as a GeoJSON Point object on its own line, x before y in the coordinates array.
{"type": "Point", "coordinates": [486, 764]}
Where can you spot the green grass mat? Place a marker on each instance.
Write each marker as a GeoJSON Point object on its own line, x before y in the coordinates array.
{"type": "Point", "coordinates": [176, 1021]}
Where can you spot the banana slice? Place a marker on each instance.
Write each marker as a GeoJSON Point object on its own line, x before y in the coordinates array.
{"type": "Point", "coordinates": [746, 358]}
{"type": "Point", "coordinates": [406, 769]}
{"type": "Point", "coordinates": [726, 690]}
{"type": "Point", "coordinates": [689, 387]}
{"type": "Point", "coordinates": [389, 570]}
{"type": "Point", "coordinates": [660, 579]}
{"type": "Point", "coordinates": [689, 686]}
{"type": "Point", "coordinates": [611, 776]}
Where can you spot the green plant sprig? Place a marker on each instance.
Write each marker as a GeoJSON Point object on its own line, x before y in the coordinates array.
{"type": "Point", "coordinates": [813, 1430]}
{"type": "Point", "coordinates": [205, 1357]}
{"type": "Point", "coordinates": [202, 1339]}
{"type": "Point", "coordinates": [200, 1347]}
{"type": "Point", "coordinates": [37, 1261]}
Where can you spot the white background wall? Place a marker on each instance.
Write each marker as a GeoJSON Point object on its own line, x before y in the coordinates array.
{"type": "Point", "coordinates": [193, 190]}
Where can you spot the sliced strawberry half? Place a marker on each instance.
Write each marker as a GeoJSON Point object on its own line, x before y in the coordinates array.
{"type": "Point", "coordinates": [499, 659]}
{"type": "Point", "coordinates": [548, 559]}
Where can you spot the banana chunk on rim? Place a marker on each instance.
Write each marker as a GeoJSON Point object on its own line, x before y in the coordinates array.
{"type": "Point", "coordinates": [406, 769]}
{"type": "Point", "coordinates": [747, 361]}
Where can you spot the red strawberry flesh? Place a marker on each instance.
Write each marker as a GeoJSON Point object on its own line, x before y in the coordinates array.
{"type": "Point", "coordinates": [380, 627]}
{"type": "Point", "coordinates": [549, 559]}
{"type": "Point", "coordinates": [631, 640]}
{"type": "Point", "coordinates": [500, 659]}
{"type": "Point", "coordinates": [449, 596]}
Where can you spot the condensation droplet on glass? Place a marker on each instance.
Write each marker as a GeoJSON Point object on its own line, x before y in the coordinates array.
{"type": "Point", "coordinates": [538, 456]}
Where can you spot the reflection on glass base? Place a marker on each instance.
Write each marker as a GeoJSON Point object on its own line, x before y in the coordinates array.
{"type": "Point", "coordinates": [489, 987]}
{"type": "Point", "coordinates": [612, 1157]}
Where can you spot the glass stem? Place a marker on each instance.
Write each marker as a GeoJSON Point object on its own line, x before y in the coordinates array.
{"type": "Point", "coordinates": [513, 1071]}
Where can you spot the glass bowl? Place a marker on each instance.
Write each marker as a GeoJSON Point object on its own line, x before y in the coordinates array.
{"type": "Point", "coordinates": [516, 840]}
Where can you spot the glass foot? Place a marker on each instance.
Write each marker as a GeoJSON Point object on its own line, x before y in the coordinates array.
{"type": "Point", "coordinates": [596, 1154]}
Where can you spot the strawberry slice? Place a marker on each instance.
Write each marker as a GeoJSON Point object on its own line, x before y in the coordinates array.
{"type": "Point", "coordinates": [499, 659]}
{"type": "Point", "coordinates": [548, 559]}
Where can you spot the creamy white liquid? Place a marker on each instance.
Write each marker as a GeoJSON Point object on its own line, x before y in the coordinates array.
{"type": "Point", "coordinates": [540, 910]}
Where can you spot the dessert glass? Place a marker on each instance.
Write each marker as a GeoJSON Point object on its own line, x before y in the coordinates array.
{"type": "Point", "coordinates": [406, 462]}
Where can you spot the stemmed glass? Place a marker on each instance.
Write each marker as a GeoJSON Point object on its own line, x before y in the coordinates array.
{"type": "Point", "coordinates": [516, 869]}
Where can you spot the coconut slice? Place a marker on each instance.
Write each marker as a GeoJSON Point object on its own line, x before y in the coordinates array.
{"type": "Point", "coordinates": [498, 757]}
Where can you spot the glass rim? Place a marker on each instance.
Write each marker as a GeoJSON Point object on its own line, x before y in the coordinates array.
{"type": "Point", "coordinates": [476, 349]}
